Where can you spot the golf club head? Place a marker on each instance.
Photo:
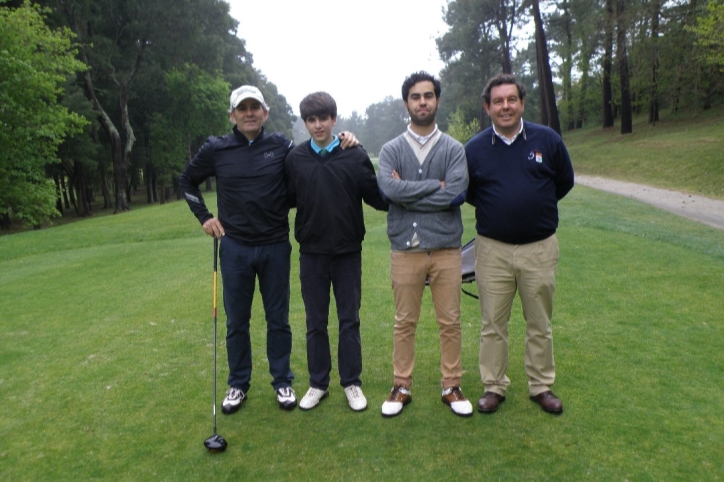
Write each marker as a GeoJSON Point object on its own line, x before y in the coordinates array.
{"type": "Point", "coordinates": [215, 443]}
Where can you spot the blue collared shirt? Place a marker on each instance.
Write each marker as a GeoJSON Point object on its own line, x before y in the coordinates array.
{"type": "Point", "coordinates": [329, 148]}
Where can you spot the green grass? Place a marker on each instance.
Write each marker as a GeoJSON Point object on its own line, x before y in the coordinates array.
{"type": "Point", "coordinates": [106, 362]}
{"type": "Point", "coordinates": [682, 152]}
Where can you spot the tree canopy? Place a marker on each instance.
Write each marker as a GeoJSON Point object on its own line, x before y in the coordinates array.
{"type": "Point", "coordinates": [609, 59]}
{"type": "Point", "coordinates": [35, 63]}
{"type": "Point", "coordinates": [709, 30]}
{"type": "Point", "coordinates": [128, 89]}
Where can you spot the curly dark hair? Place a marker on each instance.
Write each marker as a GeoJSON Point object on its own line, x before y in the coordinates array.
{"type": "Point", "coordinates": [420, 76]}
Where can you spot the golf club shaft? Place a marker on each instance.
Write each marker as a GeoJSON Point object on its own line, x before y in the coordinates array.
{"type": "Point", "coordinates": [216, 251]}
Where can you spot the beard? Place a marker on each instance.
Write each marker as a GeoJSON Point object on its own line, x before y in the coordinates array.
{"type": "Point", "coordinates": [423, 120]}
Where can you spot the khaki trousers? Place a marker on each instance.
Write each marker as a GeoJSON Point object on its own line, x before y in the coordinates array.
{"type": "Point", "coordinates": [408, 272]}
{"type": "Point", "coordinates": [501, 269]}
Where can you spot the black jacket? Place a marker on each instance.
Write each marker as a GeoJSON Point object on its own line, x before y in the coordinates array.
{"type": "Point", "coordinates": [252, 196]}
{"type": "Point", "coordinates": [328, 193]}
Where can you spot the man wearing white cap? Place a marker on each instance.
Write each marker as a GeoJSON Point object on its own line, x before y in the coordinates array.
{"type": "Point", "coordinates": [253, 227]}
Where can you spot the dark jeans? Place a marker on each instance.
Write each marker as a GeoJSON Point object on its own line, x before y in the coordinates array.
{"type": "Point", "coordinates": [240, 266]}
{"type": "Point", "coordinates": [344, 273]}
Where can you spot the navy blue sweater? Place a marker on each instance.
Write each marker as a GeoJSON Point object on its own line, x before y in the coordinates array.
{"type": "Point", "coordinates": [516, 188]}
{"type": "Point", "coordinates": [252, 195]}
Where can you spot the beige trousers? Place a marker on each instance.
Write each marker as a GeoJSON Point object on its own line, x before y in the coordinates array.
{"type": "Point", "coordinates": [500, 270]}
{"type": "Point", "coordinates": [408, 272]}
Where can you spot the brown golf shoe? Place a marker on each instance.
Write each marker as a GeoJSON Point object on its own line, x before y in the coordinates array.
{"type": "Point", "coordinates": [396, 400]}
{"type": "Point", "coordinates": [549, 402]}
{"type": "Point", "coordinates": [454, 398]}
{"type": "Point", "coordinates": [489, 402]}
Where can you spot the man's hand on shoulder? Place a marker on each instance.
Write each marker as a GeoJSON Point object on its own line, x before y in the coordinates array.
{"type": "Point", "coordinates": [347, 139]}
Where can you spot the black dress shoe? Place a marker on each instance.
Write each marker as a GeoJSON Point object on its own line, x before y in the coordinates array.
{"type": "Point", "coordinates": [548, 402]}
{"type": "Point", "coordinates": [489, 402]}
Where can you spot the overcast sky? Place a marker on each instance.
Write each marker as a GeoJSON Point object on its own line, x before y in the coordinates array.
{"type": "Point", "coordinates": [366, 48]}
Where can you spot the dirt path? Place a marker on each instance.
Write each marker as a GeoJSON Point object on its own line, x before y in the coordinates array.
{"type": "Point", "coordinates": [700, 208]}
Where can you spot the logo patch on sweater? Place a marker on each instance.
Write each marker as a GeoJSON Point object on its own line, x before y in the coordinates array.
{"type": "Point", "coordinates": [269, 155]}
{"type": "Point", "coordinates": [537, 155]}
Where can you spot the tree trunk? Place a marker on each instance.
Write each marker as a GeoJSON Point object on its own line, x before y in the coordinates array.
{"type": "Point", "coordinates": [64, 191]}
{"type": "Point", "coordinates": [58, 193]}
{"type": "Point", "coordinates": [654, 85]}
{"type": "Point", "coordinates": [119, 166]}
{"type": "Point", "coordinates": [681, 72]}
{"type": "Point", "coordinates": [81, 191]}
{"type": "Point", "coordinates": [623, 72]}
{"type": "Point", "coordinates": [71, 191]}
{"type": "Point", "coordinates": [585, 71]}
{"type": "Point", "coordinates": [105, 190]}
{"type": "Point", "coordinates": [545, 76]}
{"type": "Point", "coordinates": [504, 26]}
{"type": "Point", "coordinates": [5, 221]}
{"type": "Point", "coordinates": [580, 118]}
{"type": "Point", "coordinates": [120, 172]}
{"type": "Point", "coordinates": [120, 151]}
{"type": "Point", "coordinates": [608, 107]}
{"type": "Point", "coordinates": [149, 182]}
{"type": "Point", "coordinates": [132, 184]}
{"type": "Point", "coordinates": [162, 189]}
{"type": "Point", "coordinates": [568, 68]}
{"type": "Point", "coordinates": [128, 130]}
{"type": "Point", "coordinates": [154, 182]}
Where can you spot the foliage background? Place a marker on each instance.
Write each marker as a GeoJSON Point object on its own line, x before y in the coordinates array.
{"type": "Point", "coordinates": [34, 65]}
{"type": "Point", "coordinates": [157, 73]}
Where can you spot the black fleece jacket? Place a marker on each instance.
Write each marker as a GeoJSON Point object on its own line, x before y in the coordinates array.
{"type": "Point", "coordinates": [328, 193]}
{"type": "Point", "coordinates": [251, 192]}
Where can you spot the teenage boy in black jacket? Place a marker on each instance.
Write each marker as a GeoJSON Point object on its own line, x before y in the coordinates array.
{"type": "Point", "coordinates": [327, 186]}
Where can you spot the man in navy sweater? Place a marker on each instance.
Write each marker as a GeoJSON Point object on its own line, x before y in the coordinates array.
{"type": "Point", "coordinates": [327, 186]}
{"type": "Point", "coordinates": [518, 172]}
{"type": "Point", "coordinates": [253, 227]}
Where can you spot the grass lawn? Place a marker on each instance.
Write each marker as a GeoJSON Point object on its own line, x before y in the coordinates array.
{"type": "Point", "coordinates": [106, 362]}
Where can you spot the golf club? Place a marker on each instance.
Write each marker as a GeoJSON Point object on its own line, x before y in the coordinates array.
{"type": "Point", "coordinates": [215, 443]}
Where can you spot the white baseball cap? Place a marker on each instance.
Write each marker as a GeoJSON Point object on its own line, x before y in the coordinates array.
{"type": "Point", "coordinates": [246, 92]}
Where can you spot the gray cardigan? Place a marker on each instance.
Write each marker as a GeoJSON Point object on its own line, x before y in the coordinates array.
{"type": "Point", "coordinates": [418, 203]}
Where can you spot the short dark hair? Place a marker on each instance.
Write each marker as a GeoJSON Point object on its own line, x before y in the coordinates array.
{"type": "Point", "coordinates": [318, 104]}
{"type": "Point", "coordinates": [420, 76]}
{"type": "Point", "coordinates": [502, 79]}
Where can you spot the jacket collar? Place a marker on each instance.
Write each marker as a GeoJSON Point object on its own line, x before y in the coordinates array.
{"type": "Point", "coordinates": [242, 138]}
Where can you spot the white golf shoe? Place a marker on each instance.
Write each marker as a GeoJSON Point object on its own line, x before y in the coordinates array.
{"type": "Point", "coordinates": [312, 398]}
{"type": "Point", "coordinates": [356, 398]}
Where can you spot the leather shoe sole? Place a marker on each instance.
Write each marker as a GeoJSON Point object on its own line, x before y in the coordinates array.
{"type": "Point", "coordinates": [549, 402]}
{"type": "Point", "coordinates": [489, 402]}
